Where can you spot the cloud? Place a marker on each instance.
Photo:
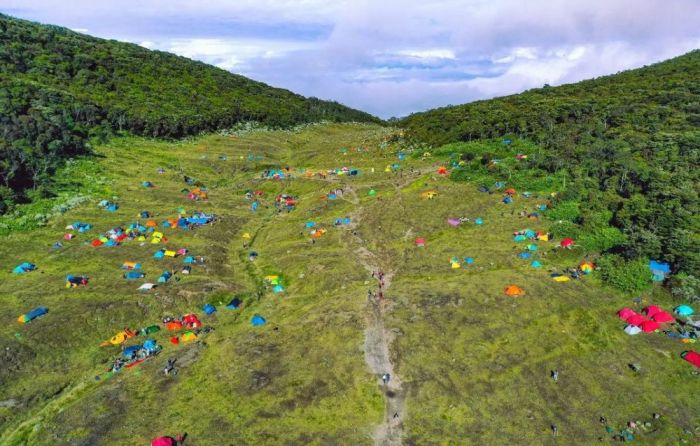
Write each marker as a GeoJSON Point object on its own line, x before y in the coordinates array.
{"type": "Point", "coordinates": [396, 56]}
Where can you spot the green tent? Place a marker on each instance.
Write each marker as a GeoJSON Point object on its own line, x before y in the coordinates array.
{"type": "Point", "coordinates": [372, 193]}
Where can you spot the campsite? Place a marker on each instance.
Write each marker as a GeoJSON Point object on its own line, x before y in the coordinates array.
{"type": "Point", "coordinates": [464, 343]}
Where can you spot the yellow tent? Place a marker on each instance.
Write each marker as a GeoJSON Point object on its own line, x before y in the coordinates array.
{"type": "Point", "coordinates": [170, 253]}
{"type": "Point", "coordinates": [429, 194]}
{"type": "Point", "coordinates": [188, 336]}
{"type": "Point", "coordinates": [119, 338]}
{"type": "Point", "coordinates": [274, 280]}
{"type": "Point", "coordinates": [561, 278]}
{"type": "Point", "coordinates": [456, 265]}
{"type": "Point", "coordinates": [246, 236]}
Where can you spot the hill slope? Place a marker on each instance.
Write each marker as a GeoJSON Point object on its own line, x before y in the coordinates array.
{"type": "Point", "coordinates": [469, 364]}
{"type": "Point", "coordinates": [58, 87]}
{"type": "Point", "coordinates": [627, 147]}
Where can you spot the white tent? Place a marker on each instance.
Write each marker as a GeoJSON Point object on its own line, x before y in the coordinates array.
{"type": "Point", "coordinates": [147, 286]}
{"type": "Point", "coordinates": [632, 330]}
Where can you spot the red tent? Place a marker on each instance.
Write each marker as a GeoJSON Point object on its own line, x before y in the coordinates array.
{"type": "Point", "coordinates": [97, 242]}
{"type": "Point", "coordinates": [625, 313]}
{"type": "Point", "coordinates": [420, 242]}
{"type": "Point", "coordinates": [191, 321]}
{"type": "Point", "coordinates": [636, 319]}
{"type": "Point", "coordinates": [442, 170]}
{"type": "Point", "coordinates": [510, 191]}
{"type": "Point", "coordinates": [651, 310]}
{"type": "Point", "coordinates": [649, 326]}
{"type": "Point", "coordinates": [163, 441]}
{"type": "Point", "coordinates": [662, 317]}
{"type": "Point", "coordinates": [692, 357]}
{"type": "Point", "coordinates": [567, 243]}
{"type": "Point", "coordinates": [174, 325]}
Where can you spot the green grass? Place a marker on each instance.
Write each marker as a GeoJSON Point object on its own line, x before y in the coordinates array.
{"type": "Point", "coordinates": [474, 362]}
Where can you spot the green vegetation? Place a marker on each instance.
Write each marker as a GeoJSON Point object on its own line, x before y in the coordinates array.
{"type": "Point", "coordinates": [622, 150]}
{"type": "Point", "coordinates": [474, 363]}
{"type": "Point", "coordinates": [59, 89]}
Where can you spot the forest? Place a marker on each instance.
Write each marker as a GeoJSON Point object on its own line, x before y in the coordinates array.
{"type": "Point", "coordinates": [627, 145]}
{"type": "Point", "coordinates": [59, 90]}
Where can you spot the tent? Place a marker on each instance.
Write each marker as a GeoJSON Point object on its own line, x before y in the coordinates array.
{"type": "Point", "coordinates": [567, 243]}
{"type": "Point", "coordinates": [191, 320]}
{"type": "Point", "coordinates": [483, 188]}
{"type": "Point", "coordinates": [24, 267]}
{"type": "Point", "coordinates": [453, 221]}
{"type": "Point", "coordinates": [131, 265]}
{"type": "Point", "coordinates": [234, 304]}
{"type": "Point", "coordinates": [258, 320]}
{"type": "Point", "coordinates": [74, 281]}
{"type": "Point", "coordinates": [683, 310]}
{"type": "Point", "coordinates": [31, 315]}
{"type": "Point", "coordinates": [442, 170]}
{"type": "Point", "coordinates": [510, 191]}
{"type": "Point", "coordinates": [372, 193]}
{"type": "Point", "coordinates": [173, 325]}
{"type": "Point", "coordinates": [632, 330]}
{"type": "Point", "coordinates": [159, 254]}
{"type": "Point", "coordinates": [532, 247]}
{"type": "Point", "coordinates": [119, 338]}
{"type": "Point", "coordinates": [651, 310]}
{"type": "Point", "coordinates": [310, 224]}
{"type": "Point", "coordinates": [165, 277]}
{"type": "Point", "coordinates": [519, 238]}
{"type": "Point", "coordinates": [586, 267]}
{"type": "Point", "coordinates": [188, 260]}
{"type": "Point", "coordinates": [209, 309]}
{"type": "Point", "coordinates": [659, 270]}
{"type": "Point", "coordinates": [429, 194]}
{"type": "Point", "coordinates": [169, 253]}
{"type": "Point", "coordinates": [479, 221]}
{"type": "Point", "coordinates": [469, 260]}
{"type": "Point", "coordinates": [560, 278]}
{"type": "Point", "coordinates": [147, 184]}
{"type": "Point", "coordinates": [636, 319]}
{"type": "Point", "coordinates": [131, 351]}
{"type": "Point", "coordinates": [535, 264]}
{"type": "Point", "coordinates": [420, 242]}
{"type": "Point", "coordinates": [188, 336]}
{"type": "Point", "coordinates": [278, 288]}
{"type": "Point", "coordinates": [146, 287]}
{"type": "Point", "coordinates": [663, 318]}
{"type": "Point", "coordinates": [164, 441]}
{"type": "Point", "coordinates": [151, 224]}
{"type": "Point", "coordinates": [514, 290]}
{"type": "Point", "coordinates": [625, 313]}
{"type": "Point", "coordinates": [134, 275]}
{"type": "Point", "coordinates": [692, 357]}
{"type": "Point", "coordinates": [525, 255]}
{"type": "Point", "coordinates": [151, 346]}
{"type": "Point", "coordinates": [649, 326]}
{"type": "Point", "coordinates": [507, 199]}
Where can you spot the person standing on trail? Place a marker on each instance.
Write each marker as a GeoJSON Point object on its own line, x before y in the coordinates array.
{"type": "Point", "coordinates": [555, 375]}
{"type": "Point", "coordinates": [385, 378]}
{"type": "Point", "coordinates": [555, 430]}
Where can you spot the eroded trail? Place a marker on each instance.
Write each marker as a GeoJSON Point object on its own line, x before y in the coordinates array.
{"type": "Point", "coordinates": [378, 359]}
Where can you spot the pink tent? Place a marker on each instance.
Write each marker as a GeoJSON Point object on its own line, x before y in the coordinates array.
{"type": "Point", "coordinates": [567, 243]}
{"type": "Point", "coordinates": [453, 221]}
{"type": "Point", "coordinates": [662, 317]}
{"type": "Point", "coordinates": [651, 310]}
{"type": "Point", "coordinates": [420, 242]}
{"type": "Point", "coordinates": [649, 326]}
{"type": "Point", "coordinates": [68, 237]}
{"type": "Point", "coordinates": [625, 313]}
{"type": "Point", "coordinates": [636, 319]}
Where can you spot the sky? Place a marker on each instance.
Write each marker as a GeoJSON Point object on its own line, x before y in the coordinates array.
{"type": "Point", "coordinates": [393, 57]}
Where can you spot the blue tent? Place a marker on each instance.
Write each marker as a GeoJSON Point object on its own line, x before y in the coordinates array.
{"type": "Point", "coordinates": [353, 172]}
{"type": "Point", "coordinates": [134, 275]}
{"type": "Point", "coordinates": [507, 142]}
{"type": "Point", "coordinates": [530, 233]}
{"type": "Point", "coordinates": [130, 351]}
{"type": "Point", "coordinates": [188, 260]}
{"type": "Point", "coordinates": [402, 156]}
{"type": "Point", "coordinates": [35, 313]}
{"type": "Point", "coordinates": [500, 184]}
{"type": "Point", "coordinates": [147, 184]}
{"type": "Point", "coordinates": [331, 196]}
{"type": "Point", "coordinates": [150, 345]}
{"type": "Point", "coordinates": [254, 206]}
{"type": "Point", "coordinates": [277, 289]}
{"type": "Point", "coordinates": [525, 255]}
{"type": "Point", "coordinates": [159, 254]}
{"type": "Point", "coordinates": [535, 264]}
{"type": "Point", "coordinates": [342, 221]}
{"type": "Point", "coordinates": [519, 238]}
{"type": "Point", "coordinates": [234, 304]}
{"type": "Point", "coordinates": [258, 320]}
{"type": "Point", "coordinates": [541, 207]}
{"type": "Point", "coordinates": [532, 247]}
{"type": "Point", "coordinates": [469, 260]}
{"type": "Point", "coordinates": [24, 267]}
{"type": "Point", "coordinates": [479, 221]}
{"type": "Point", "coordinates": [145, 214]}
{"type": "Point", "coordinates": [683, 310]}
{"type": "Point", "coordinates": [507, 199]}
{"type": "Point", "coordinates": [112, 207]}
{"type": "Point", "coordinates": [165, 277]}
{"type": "Point", "coordinates": [310, 224]}
{"type": "Point", "coordinates": [209, 309]}
{"type": "Point", "coordinates": [660, 267]}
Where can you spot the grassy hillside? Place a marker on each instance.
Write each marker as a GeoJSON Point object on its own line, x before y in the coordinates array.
{"type": "Point", "coordinates": [58, 88]}
{"type": "Point", "coordinates": [469, 364]}
{"type": "Point", "coordinates": [625, 150]}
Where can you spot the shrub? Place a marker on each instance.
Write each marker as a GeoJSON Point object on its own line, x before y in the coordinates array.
{"type": "Point", "coordinates": [630, 276]}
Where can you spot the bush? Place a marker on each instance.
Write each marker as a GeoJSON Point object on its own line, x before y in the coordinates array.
{"type": "Point", "coordinates": [685, 287]}
{"type": "Point", "coordinates": [565, 210]}
{"type": "Point", "coordinates": [564, 229]}
{"type": "Point", "coordinates": [629, 276]}
{"type": "Point", "coordinates": [602, 239]}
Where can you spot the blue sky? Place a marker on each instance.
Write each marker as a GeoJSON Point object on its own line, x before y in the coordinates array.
{"type": "Point", "coordinates": [394, 57]}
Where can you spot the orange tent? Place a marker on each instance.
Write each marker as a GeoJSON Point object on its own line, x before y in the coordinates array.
{"type": "Point", "coordinates": [442, 170]}
{"type": "Point", "coordinates": [514, 290]}
{"type": "Point", "coordinates": [151, 223]}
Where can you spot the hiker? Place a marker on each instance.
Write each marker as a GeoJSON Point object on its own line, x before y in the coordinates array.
{"type": "Point", "coordinates": [555, 375]}
{"type": "Point", "coordinates": [385, 378]}
{"type": "Point", "coordinates": [555, 430]}
{"type": "Point", "coordinates": [170, 367]}
{"type": "Point", "coordinates": [396, 415]}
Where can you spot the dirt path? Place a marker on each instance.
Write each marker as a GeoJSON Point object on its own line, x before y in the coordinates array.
{"type": "Point", "coordinates": [376, 347]}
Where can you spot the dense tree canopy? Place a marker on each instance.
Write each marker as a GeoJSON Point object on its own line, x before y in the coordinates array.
{"type": "Point", "coordinates": [629, 145]}
{"type": "Point", "coordinates": [58, 88]}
